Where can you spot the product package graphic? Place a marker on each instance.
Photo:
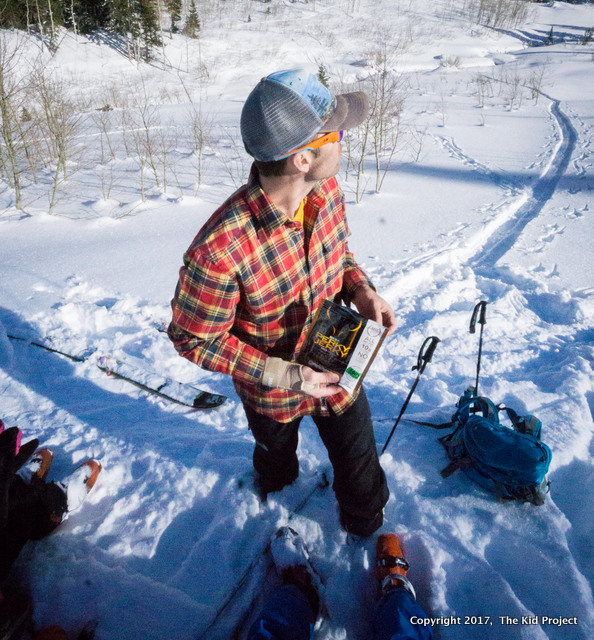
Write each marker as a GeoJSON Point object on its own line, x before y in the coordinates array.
{"type": "Point", "coordinates": [342, 341]}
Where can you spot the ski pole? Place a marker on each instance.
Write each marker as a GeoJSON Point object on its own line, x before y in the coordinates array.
{"type": "Point", "coordinates": [480, 308]}
{"type": "Point", "coordinates": [424, 357]}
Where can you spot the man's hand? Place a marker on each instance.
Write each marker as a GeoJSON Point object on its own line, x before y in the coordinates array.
{"type": "Point", "coordinates": [319, 384]}
{"type": "Point", "coordinates": [373, 307]}
{"type": "Point", "coordinates": [280, 374]}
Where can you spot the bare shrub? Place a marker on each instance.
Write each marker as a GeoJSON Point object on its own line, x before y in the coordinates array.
{"type": "Point", "coordinates": [11, 102]}
{"type": "Point", "coordinates": [59, 121]}
{"type": "Point", "coordinates": [234, 157]}
{"type": "Point", "coordinates": [498, 14]}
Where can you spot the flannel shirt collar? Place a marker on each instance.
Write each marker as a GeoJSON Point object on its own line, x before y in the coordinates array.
{"type": "Point", "coordinates": [270, 216]}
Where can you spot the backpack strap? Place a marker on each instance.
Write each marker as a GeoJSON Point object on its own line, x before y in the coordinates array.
{"type": "Point", "coordinates": [442, 425]}
{"type": "Point", "coordinates": [470, 404]}
{"type": "Point", "coordinates": [462, 462]}
{"type": "Point", "coordinates": [488, 409]}
{"type": "Point", "coordinates": [528, 424]}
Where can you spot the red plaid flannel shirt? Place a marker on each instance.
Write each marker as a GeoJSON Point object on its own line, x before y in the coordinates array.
{"type": "Point", "coordinates": [250, 285]}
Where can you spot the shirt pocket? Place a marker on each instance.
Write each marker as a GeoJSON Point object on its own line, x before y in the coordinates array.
{"type": "Point", "coordinates": [270, 293]}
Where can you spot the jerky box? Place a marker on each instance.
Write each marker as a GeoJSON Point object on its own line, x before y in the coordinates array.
{"type": "Point", "coordinates": [343, 341]}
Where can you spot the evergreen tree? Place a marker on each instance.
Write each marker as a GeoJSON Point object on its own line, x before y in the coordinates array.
{"type": "Point", "coordinates": [149, 24]}
{"type": "Point", "coordinates": [323, 75]}
{"type": "Point", "coordinates": [13, 14]}
{"type": "Point", "coordinates": [137, 22]}
{"type": "Point", "coordinates": [174, 7]}
{"type": "Point", "coordinates": [121, 18]}
{"type": "Point", "coordinates": [192, 26]}
{"type": "Point", "coordinates": [87, 15]}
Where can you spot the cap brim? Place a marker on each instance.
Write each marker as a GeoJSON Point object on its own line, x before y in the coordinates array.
{"type": "Point", "coordinates": [351, 111]}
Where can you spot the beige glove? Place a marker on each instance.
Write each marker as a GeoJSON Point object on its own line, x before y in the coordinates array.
{"type": "Point", "coordinates": [280, 374]}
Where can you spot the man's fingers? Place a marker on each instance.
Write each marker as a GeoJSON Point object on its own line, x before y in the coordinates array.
{"type": "Point", "coordinates": [327, 378]}
{"type": "Point", "coordinates": [319, 377]}
{"type": "Point", "coordinates": [319, 390]}
{"type": "Point", "coordinates": [390, 322]}
{"type": "Point", "coordinates": [319, 384]}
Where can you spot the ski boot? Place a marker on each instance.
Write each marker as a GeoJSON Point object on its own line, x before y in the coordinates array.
{"type": "Point", "coordinates": [77, 485]}
{"type": "Point", "coordinates": [36, 470]}
{"type": "Point", "coordinates": [390, 565]}
{"type": "Point", "coordinates": [291, 559]}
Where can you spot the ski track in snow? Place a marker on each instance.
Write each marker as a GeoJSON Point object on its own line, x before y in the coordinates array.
{"type": "Point", "coordinates": [491, 550]}
{"type": "Point", "coordinates": [167, 522]}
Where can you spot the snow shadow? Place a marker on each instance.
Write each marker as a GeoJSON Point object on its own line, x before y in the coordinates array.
{"type": "Point", "coordinates": [135, 418]}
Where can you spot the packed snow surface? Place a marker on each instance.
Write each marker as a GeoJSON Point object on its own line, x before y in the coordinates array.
{"type": "Point", "coordinates": [489, 197]}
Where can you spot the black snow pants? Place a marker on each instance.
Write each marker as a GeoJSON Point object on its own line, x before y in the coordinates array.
{"type": "Point", "coordinates": [359, 481]}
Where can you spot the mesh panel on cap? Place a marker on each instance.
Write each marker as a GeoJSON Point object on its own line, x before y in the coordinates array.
{"type": "Point", "coordinates": [275, 120]}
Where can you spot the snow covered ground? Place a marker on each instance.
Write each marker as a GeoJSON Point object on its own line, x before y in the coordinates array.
{"type": "Point", "coordinates": [493, 203]}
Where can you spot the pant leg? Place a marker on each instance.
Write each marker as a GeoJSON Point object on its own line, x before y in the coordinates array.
{"type": "Point", "coordinates": [359, 481]}
{"type": "Point", "coordinates": [286, 615]}
{"type": "Point", "coordinates": [392, 618]}
{"type": "Point", "coordinates": [275, 453]}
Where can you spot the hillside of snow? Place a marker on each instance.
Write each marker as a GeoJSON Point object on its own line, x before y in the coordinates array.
{"type": "Point", "coordinates": [489, 197]}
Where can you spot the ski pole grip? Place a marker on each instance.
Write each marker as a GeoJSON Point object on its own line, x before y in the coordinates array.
{"type": "Point", "coordinates": [481, 308]}
{"type": "Point", "coordinates": [426, 352]}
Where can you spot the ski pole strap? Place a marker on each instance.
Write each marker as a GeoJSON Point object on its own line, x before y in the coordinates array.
{"type": "Point", "coordinates": [480, 308]}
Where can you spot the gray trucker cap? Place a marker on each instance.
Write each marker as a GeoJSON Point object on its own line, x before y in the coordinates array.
{"type": "Point", "coordinates": [287, 108]}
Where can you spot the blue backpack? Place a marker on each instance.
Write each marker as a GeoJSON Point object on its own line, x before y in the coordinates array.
{"type": "Point", "coordinates": [510, 462]}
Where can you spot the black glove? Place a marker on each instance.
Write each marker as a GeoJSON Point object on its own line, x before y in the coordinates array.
{"type": "Point", "coordinates": [13, 456]}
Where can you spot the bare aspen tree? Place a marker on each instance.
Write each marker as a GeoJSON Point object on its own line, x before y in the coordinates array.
{"type": "Point", "coordinates": [167, 140]}
{"type": "Point", "coordinates": [9, 157]}
{"type": "Point", "coordinates": [39, 21]}
{"type": "Point", "coordinates": [201, 123]}
{"type": "Point", "coordinates": [139, 136]}
{"type": "Point", "coordinates": [29, 139]}
{"type": "Point", "coordinates": [379, 134]}
{"type": "Point", "coordinates": [483, 88]}
{"type": "Point", "coordinates": [148, 119]}
{"type": "Point", "coordinates": [535, 82]}
{"type": "Point", "coordinates": [357, 150]}
{"type": "Point", "coordinates": [147, 140]}
{"type": "Point", "coordinates": [60, 122]}
{"type": "Point", "coordinates": [12, 101]}
{"type": "Point", "coordinates": [386, 97]}
{"type": "Point", "coordinates": [416, 140]}
{"type": "Point", "coordinates": [514, 91]}
{"type": "Point", "coordinates": [200, 131]}
{"type": "Point", "coordinates": [73, 18]}
{"type": "Point", "coordinates": [104, 121]}
{"type": "Point", "coordinates": [498, 14]}
{"type": "Point", "coordinates": [356, 146]}
{"type": "Point", "coordinates": [53, 29]}
{"type": "Point", "coordinates": [234, 159]}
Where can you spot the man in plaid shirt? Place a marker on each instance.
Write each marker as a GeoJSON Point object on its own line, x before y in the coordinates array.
{"type": "Point", "coordinates": [255, 275]}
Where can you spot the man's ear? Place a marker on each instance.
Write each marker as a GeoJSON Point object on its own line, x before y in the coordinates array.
{"type": "Point", "coordinates": [301, 162]}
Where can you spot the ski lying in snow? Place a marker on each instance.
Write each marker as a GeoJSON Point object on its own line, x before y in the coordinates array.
{"type": "Point", "coordinates": [267, 581]}
{"type": "Point", "coordinates": [253, 578]}
{"type": "Point", "coordinates": [151, 382]}
{"type": "Point", "coordinates": [179, 392]}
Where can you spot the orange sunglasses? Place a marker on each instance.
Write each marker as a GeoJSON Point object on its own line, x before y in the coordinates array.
{"type": "Point", "coordinates": [333, 136]}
